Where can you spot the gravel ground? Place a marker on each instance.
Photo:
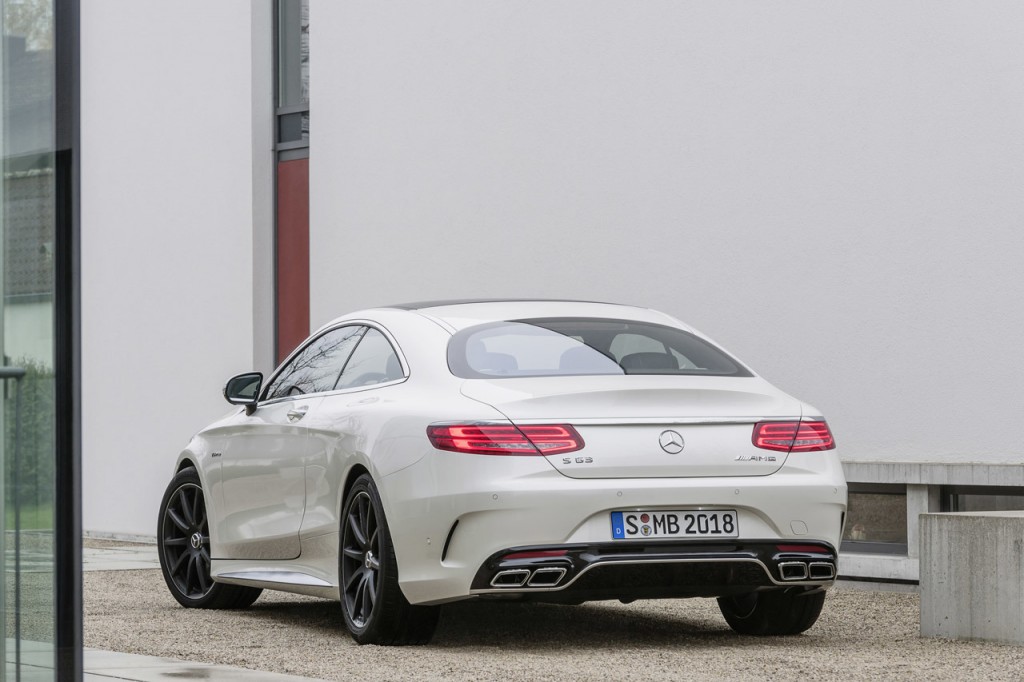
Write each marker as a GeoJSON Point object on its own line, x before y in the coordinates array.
{"type": "Point", "coordinates": [861, 635]}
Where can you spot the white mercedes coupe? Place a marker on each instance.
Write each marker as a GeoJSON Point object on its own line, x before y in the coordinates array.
{"type": "Point", "coordinates": [557, 451]}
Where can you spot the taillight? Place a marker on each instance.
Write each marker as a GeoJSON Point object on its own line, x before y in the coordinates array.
{"type": "Point", "coordinates": [499, 439]}
{"type": "Point", "coordinates": [793, 436]}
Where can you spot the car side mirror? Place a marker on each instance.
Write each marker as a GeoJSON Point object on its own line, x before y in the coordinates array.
{"type": "Point", "coordinates": [244, 389]}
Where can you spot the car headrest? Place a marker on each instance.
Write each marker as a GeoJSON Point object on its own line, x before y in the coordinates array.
{"type": "Point", "coordinates": [649, 361]}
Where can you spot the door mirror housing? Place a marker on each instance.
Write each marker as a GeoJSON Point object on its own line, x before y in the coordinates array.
{"type": "Point", "coordinates": [244, 389]}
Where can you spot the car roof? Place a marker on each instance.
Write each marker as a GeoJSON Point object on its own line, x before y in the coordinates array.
{"type": "Point", "coordinates": [462, 313]}
{"type": "Point", "coordinates": [444, 303]}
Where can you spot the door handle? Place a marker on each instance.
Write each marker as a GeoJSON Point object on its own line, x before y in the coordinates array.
{"type": "Point", "coordinates": [298, 413]}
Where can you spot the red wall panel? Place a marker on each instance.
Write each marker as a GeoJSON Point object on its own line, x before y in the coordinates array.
{"type": "Point", "coordinates": [292, 264]}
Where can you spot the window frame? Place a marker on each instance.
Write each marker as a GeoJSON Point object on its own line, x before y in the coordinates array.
{"type": "Point", "coordinates": [874, 546]}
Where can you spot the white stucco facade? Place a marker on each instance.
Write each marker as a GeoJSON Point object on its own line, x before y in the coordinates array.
{"type": "Point", "coordinates": [176, 168]}
{"type": "Point", "coordinates": [831, 191]}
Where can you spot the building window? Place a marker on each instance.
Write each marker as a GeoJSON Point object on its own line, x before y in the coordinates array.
{"type": "Point", "coordinates": [27, 452]}
{"type": "Point", "coordinates": [981, 498]}
{"type": "Point", "coordinates": [292, 73]}
{"type": "Point", "coordinates": [876, 519]}
{"type": "Point", "coordinates": [291, 245]}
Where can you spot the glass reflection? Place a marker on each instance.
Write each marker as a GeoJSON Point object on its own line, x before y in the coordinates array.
{"type": "Point", "coordinates": [316, 367]}
{"type": "Point", "coordinates": [293, 53]}
{"type": "Point", "coordinates": [876, 517]}
{"type": "Point", "coordinates": [26, 339]}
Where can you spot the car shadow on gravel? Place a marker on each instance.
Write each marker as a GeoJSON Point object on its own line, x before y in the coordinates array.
{"type": "Point", "coordinates": [537, 627]}
{"type": "Point", "coordinates": [306, 612]}
{"type": "Point", "coordinates": [528, 626]}
{"type": "Point", "coordinates": [540, 627]}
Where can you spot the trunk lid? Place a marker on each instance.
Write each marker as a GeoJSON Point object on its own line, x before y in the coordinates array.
{"type": "Point", "coordinates": [648, 426]}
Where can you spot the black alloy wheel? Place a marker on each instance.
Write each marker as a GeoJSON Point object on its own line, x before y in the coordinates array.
{"type": "Point", "coordinates": [360, 560]}
{"type": "Point", "coordinates": [773, 612]}
{"type": "Point", "coordinates": [375, 610]}
{"type": "Point", "coordinates": [183, 537]}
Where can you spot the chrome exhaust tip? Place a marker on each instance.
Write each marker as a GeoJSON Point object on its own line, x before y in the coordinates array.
{"type": "Point", "coordinates": [793, 570]}
{"type": "Point", "coordinates": [819, 570]}
{"type": "Point", "coordinates": [516, 577]}
{"type": "Point", "coordinates": [546, 577]}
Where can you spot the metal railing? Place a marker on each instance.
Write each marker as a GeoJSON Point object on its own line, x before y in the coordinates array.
{"type": "Point", "coordinates": [16, 373]}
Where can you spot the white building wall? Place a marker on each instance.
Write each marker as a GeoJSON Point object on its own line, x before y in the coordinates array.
{"type": "Point", "coordinates": [831, 190]}
{"type": "Point", "coordinates": [175, 185]}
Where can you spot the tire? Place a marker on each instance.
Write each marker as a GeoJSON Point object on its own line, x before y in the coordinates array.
{"type": "Point", "coordinates": [183, 542]}
{"type": "Point", "coordinates": [375, 610]}
{"type": "Point", "coordinates": [772, 612]}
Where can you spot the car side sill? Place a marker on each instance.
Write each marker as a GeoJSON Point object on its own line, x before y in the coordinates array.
{"type": "Point", "coordinates": [286, 581]}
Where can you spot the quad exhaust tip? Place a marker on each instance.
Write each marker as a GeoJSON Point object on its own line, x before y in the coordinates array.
{"type": "Point", "coordinates": [815, 570]}
{"type": "Point", "coordinates": [519, 577]}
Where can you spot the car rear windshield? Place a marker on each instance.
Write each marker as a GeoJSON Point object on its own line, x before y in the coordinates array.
{"type": "Point", "coordinates": [580, 346]}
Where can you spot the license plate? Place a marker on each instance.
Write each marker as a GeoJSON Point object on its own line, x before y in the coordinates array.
{"type": "Point", "coordinates": [638, 525]}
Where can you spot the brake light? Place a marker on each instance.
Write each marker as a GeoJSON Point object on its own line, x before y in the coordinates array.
{"type": "Point", "coordinates": [793, 436]}
{"type": "Point", "coordinates": [505, 439]}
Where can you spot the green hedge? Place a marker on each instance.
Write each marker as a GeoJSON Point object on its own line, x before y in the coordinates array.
{"type": "Point", "coordinates": [36, 440]}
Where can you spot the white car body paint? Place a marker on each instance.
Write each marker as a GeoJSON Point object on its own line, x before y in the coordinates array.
{"type": "Point", "coordinates": [275, 484]}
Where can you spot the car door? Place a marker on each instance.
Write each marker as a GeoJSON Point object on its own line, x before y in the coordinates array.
{"type": "Point", "coordinates": [347, 425]}
{"type": "Point", "coordinates": [264, 454]}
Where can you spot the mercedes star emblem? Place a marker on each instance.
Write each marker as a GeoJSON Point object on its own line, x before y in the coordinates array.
{"type": "Point", "coordinates": [671, 442]}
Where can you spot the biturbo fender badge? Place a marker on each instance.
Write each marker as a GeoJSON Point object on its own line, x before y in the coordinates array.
{"type": "Point", "coordinates": [671, 442]}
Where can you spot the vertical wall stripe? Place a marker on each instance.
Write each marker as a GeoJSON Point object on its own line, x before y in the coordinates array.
{"type": "Point", "coordinates": [292, 255]}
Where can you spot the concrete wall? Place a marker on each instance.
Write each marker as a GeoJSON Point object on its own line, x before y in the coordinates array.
{"type": "Point", "coordinates": [972, 576]}
{"type": "Point", "coordinates": [175, 175]}
{"type": "Point", "coordinates": [832, 191]}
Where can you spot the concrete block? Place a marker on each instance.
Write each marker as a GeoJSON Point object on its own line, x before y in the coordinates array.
{"type": "Point", "coordinates": [882, 567]}
{"type": "Point", "coordinates": [972, 576]}
{"type": "Point", "coordinates": [935, 473]}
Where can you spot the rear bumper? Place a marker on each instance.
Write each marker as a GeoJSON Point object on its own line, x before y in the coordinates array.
{"type": "Point", "coordinates": [450, 515]}
{"type": "Point", "coordinates": [629, 571]}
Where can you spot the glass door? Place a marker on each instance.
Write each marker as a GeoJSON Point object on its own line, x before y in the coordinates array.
{"type": "Point", "coordinates": [27, 452]}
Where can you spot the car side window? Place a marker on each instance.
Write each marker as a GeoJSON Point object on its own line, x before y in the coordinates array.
{"type": "Point", "coordinates": [317, 366]}
{"type": "Point", "coordinates": [374, 361]}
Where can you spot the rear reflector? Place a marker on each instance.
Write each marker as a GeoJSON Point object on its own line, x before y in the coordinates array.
{"type": "Point", "coordinates": [539, 554]}
{"type": "Point", "coordinates": [793, 436]}
{"type": "Point", "coordinates": [502, 439]}
{"type": "Point", "coordinates": [804, 549]}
